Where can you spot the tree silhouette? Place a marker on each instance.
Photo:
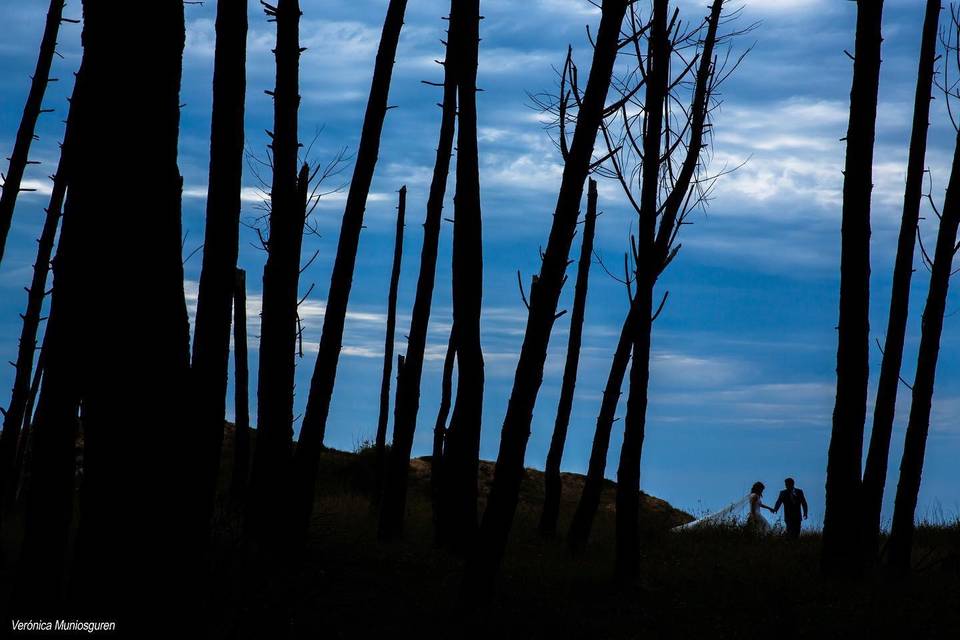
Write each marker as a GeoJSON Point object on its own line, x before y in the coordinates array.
{"type": "Point", "coordinates": [875, 471]}
{"type": "Point", "coordinates": [408, 378]}
{"type": "Point", "coordinates": [918, 425]}
{"type": "Point", "coordinates": [381, 441]}
{"type": "Point", "coordinates": [211, 340]}
{"type": "Point", "coordinates": [483, 564]}
{"type": "Point", "coordinates": [269, 484]}
{"type": "Point", "coordinates": [461, 456]}
{"type": "Point", "coordinates": [12, 180]}
{"type": "Point", "coordinates": [841, 522]}
{"type": "Point", "coordinates": [16, 412]}
{"type": "Point", "coordinates": [325, 371]}
{"type": "Point", "coordinates": [440, 434]}
{"type": "Point", "coordinates": [129, 268]}
{"type": "Point", "coordinates": [241, 382]}
{"type": "Point", "coordinates": [551, 500]}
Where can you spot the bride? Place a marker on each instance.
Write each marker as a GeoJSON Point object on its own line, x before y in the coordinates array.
{"type": "Point", "coordinates": [731, 514]}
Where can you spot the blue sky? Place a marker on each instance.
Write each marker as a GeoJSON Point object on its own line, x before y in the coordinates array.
{"type": "Point", "coordinates": [744, 353]}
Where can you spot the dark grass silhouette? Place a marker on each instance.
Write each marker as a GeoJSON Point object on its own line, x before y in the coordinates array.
{"type": "Point", "coordinates": [704, 583]}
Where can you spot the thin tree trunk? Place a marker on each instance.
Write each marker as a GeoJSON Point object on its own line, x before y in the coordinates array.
{"type": "Point", "coordinates": [13, 418]}
{"type": "Point", "coordinates": [911, 464]}
{"type": "Point", "coordinates": [544, 295]}
{"type": "Point", "coordinates": [21, 465]}
{"type": "Point", "coordinates": [552, 486]}
{"type": "Point", "coordinates": [28, 121]}
{"type": "Point", "coordinates": [583, 517]}
{"type": "Point", "coordinates": [331, 339]}
{"type": "Point", "coordinates": [269, 485]}
{"type": "Point", "coordinates": [461, 457]}
{"type": "Point", "coordinates": [440, 433]}
{"type": "Point", "coordinates": [841, 522]}
{"type": "Point", "coordinates": [408, 380]}
{"type": "Point", "coordinates": [875, 472]}
{"type": "Point", "coordinates": [381, 442]}
{"type": "Point", "coordinates": [241, 385]}
{"type": "Point", "coordinates": [211, 340]}
{"type": "Point", "coordinates": [628, 473]}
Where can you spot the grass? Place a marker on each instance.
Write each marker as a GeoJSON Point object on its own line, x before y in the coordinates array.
{"type": "Point", "coordinates": [712, 583]}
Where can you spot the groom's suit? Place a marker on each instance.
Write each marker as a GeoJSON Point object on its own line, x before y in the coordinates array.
{"type": "Point", "coordinates": [794, 505]}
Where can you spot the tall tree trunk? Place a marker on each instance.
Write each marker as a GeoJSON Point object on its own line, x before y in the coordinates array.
{"type": "Point", "coordinates": [47, 485]}
{"type": "Point", "coordinates": [408, 380]}
{"type": "Point", "coordinates": [331, 339]}
{"type": "Point", "coordinates": [13, 417]}
{"type": "Point", "coordinates": [241, 385]}
{"type": "Point", "coordinates": [461, 456]}
{"type": "Point", "coordinates": [440, 434]}
{"type": "Point", "coordinates": [841, 522]}
{"type": "Point", "coordinates": [875, 472]}
{"type": "Point", "coordinates": [134, 408]}
{"type": "Point", "coordinates": [28, 121]}
{"type": "Point", "coordinates": [544, 295]}
{"type": "Point", "coordinates": [269, 485]}
{"type": "Point", "coordinates": [20, 472]}
{"type": "Point", "coordinates": [381, 442]}
{"type": "Point", "coordinates": [211, 340]}
{"type": "Point", "coordinates": [583, 517]}
{"type": "Point", "coordinates": [628, 473]}
{"type": "Point", "coordinates": [552, 487]}
{"type": "Point", "coordinates": [911, 464]}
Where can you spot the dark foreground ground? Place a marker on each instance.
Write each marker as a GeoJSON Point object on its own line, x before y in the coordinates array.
{"type": "Point", "coordinates": [700, 584]}
{"type": "Point", "coordinates": [710, 584]}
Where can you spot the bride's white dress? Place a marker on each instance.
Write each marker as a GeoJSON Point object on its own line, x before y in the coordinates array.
{"type": "Point", "coordinates": [742, 513]}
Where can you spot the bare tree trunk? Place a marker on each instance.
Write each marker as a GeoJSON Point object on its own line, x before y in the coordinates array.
{"type": "Point", "coordinates": [841, 522]}
{"type": "Point", "coordinates": [461, 458]}
{"type": "Point", "coordinates": [552, 486]}
{"type": "Point", "coordinates": [544, 295]}
{"type": "Point", "coordinates": [13, 417]}
{"type": "Point", "coordinates": [324, 374]}
{"type": "Point", "coordinates": [134, 408]}
{"type": "Point", "coordinates": [21, 473]}
{"type": "Point", "coordinates": [911, 464]}
{"type": "Point", "coordinates": [211, 340]}
{"type": "Point", "coordinates": [583, 517]}
{"type": "Point", "coordinates": [241, 385]}
{"type": "Point", "coordinates": [628, 473]}
{"type": "Point", "coordinates": [47, 488]}
{"type": "Point", "coordinates": [269, 485]}
{"type": "Point", "coordinates": [28, 121]}
{"type": "Point", "coordinates": [440, 433]}
{"type": "Point", "coordinates": [408, 380]}
{"type": "Point", "coordinates": [381, 442]}
{"type": "Point", "coordinates": [875, 472]}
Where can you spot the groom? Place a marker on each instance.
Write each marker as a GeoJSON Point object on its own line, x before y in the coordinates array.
{"type": "Point", "coordinates": [793, 502]}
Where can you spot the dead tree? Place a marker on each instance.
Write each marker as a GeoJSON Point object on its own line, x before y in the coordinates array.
{"type": "Point", "coordinates": [875, 471]}
{"type": "Point", "coordinates": [28, 121]}
{"type": "Point", "coordinates": [552, 486]}
{"type": "Point", "coordinates": [841, 522]}
{"type": "Point", "coordinates": [381, 441]}
{"type": "Point", "coordinates": [14, 416]}
{"type": "Point", "coordinates": [122, 257]}
{"type": "Point", "coordinates": [900, 543]}
{"type": "Point", "coordinates": [544, 295]}
{"type": "Point", "coordinates": [241, 382]}
{"type": "Point", "coordinates": [278, 321]}
{"type": "Point", "coordinates": [211, 340]}
{"type": "Point", "coordinates": [461, 455]}
{"type": "Point", "coordinates": [408, 379]}
{"type": "Point", "coordinates": [48, 495]}
{"type": "Point", "coordinates": [582, 522]}
{"type": "Point", "coordinates": [440, 433]}
{"type": "Point", "coordinates": [664, 145]}
{"type": "Point", "coordinates": [321, 385]}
